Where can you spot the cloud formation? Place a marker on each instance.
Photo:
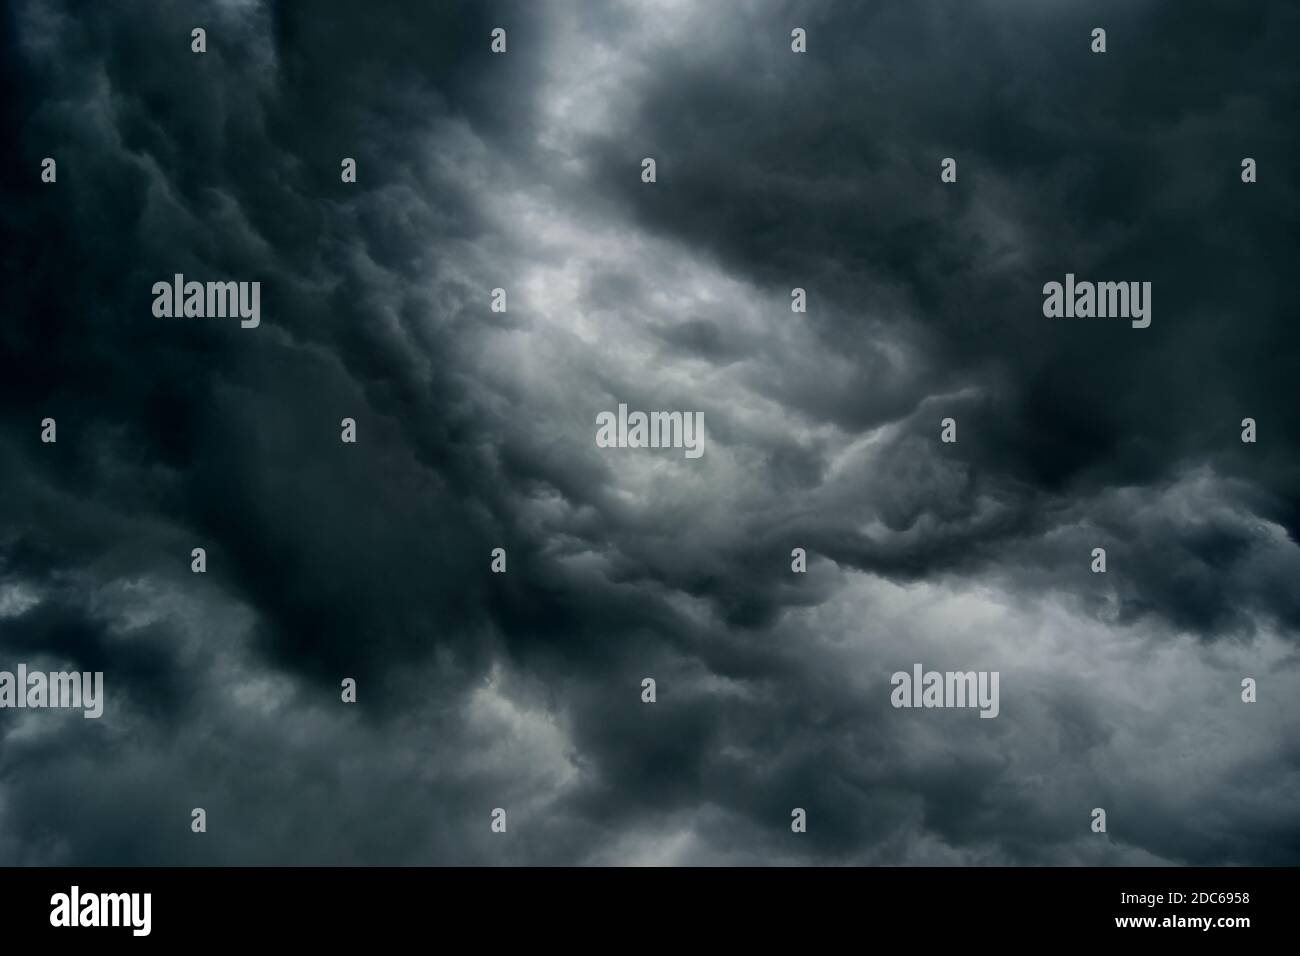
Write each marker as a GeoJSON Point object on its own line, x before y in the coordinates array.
{"type": "Point", "coordinates": [775, 170]}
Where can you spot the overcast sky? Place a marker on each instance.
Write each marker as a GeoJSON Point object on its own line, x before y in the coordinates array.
{"type": "Point", "coordinates": [476, 430]}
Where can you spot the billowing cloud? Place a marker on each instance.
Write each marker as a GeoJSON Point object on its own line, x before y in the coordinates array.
{"type": "Point", "coordinates": [476, 430]}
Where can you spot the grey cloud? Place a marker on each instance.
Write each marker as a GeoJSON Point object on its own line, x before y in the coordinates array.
{"type": "Point", "coordinates": [522, 690]}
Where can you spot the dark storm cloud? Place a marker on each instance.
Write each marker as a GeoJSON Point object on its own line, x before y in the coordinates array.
{"type": "Point", "coordinates": [1100, 165]}
{"type": "Point", "coordinates": [222, 175]}
{"type": "Point", "coordinates": [371, 561]}
{"type": "Point", "coordinates": [1075, 162]}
